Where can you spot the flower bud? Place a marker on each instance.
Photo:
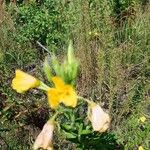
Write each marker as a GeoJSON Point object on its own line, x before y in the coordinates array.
{"type": "Point", "coordinates": [99, 119]}
{"type": "Point", "coordinates": [44, 139]}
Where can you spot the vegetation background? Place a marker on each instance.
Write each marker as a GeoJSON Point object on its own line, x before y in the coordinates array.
{"type": "Point", "coordinates": [112, 42]}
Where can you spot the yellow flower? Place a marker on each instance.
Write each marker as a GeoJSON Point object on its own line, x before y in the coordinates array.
{"type": "Point", "coordinates": [44, 139]}
{"type": "Point", "coordinates": [99, 119]}
{"type": "Point", "coordinates": [96, 34]}
{"type": "Point", "coordinates": [90, 33]}
{"type": "Point", "coordinates": [62, 93]}
{"type": "Point", "coordinates": [142, 119]}
{"type": "Point", "coordinates": [140, 148]}
{"type": "Point", "coordinates": [23, 82]}
{"type": "Point", "coordinates": [53, 97]}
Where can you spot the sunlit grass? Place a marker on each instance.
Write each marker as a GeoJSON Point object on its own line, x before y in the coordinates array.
{"type": "Point", "coordinates": [114, 70]}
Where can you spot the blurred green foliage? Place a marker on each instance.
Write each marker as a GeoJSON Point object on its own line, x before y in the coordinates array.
{"type": "Point", "coordinates": [44, 22]}
{"type": "Point", "coordinates": [134, 132]}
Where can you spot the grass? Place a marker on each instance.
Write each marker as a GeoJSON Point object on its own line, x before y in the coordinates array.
{"type": "Point", "coordinates": [113, 50]}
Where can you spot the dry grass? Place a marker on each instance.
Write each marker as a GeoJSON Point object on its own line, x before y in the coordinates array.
{"type": "Point", "coordinates": [113, 59]}
{"type": "Point", "coordinates": [114, 67]}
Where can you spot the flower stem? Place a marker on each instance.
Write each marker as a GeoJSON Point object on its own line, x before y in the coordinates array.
{"type": "Point", "coordinates": [54, 116]}
{"type": "Point", "coordinates": [43, 86]}
{"type": "Point", "coordinates": [86, 100]}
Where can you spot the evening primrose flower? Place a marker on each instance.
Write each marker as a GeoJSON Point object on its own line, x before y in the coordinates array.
{"type": "Point", "coordinates": [23, 82]}
{"type": "Point", "coordinates": [99, 119]}
{"type": "Point", "coordinates": [44, 139]}
{"type": "Point", "coordinates": [140, 148]}
{"type": "Point", "coordinates": [142, 119]}
{"type": "Point", "coordinates": [62, 93]}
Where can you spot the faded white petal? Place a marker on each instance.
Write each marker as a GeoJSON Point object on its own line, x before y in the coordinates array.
{"type": "Point", "coordinates": [99, 119]}
{"type": "Point", "coordinates": [44, 139]}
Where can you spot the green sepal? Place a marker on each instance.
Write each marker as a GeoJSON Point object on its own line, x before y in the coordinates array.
{"type": "Point", "coordinates": [47, 69]}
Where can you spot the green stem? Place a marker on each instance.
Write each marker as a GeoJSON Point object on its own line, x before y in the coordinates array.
{"type": "Point", "coordinates": [54, 116]}
{"type": "Point", "coordinates": [43, 86]}
{"type": "Point", "coordinates": [86, 100]}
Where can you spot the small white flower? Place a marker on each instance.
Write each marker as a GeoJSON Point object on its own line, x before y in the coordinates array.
{"type": "Point", "coordinates": [44, 139]}
{"type": "Point", "coordinates": [99, 119]}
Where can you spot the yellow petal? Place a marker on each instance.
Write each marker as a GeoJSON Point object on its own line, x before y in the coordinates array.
{"type": "Point", "coordinates": [69, 96]}
{"type": "Point", "coordinates": [59, 83]}
{"type": "Point", "coordinates": [62, 93]}
{"type": "Point", "coordinates": [142, 119]}
{"type": "Point", "coordinates": [53, 97]}
{"type": "Point", "coordinates": [140, 148]}
{"type": "Point", "coordinates": [23, 82]}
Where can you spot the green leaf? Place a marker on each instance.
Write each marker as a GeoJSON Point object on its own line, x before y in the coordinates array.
{"type": "Point", "coordinates": [69, 135]}
{"type": "Point", "coordinates": [67, 127]}
{"type": "Point", "coordinates": [84, 132]}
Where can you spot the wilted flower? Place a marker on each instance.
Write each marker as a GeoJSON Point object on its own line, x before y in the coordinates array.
{"type": "Point", "coordinates": [140, 148]}
{"type": "Point", "coordinates": [23, 82]}
{"type": "Point", "coordinates": [99, 119]}
{"type": "Point", "coordinates": [142, 119]}
{"type": "Point", "coordinates": [62, 93]}
{"type": "Point", "coordinates": [44, 139]}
